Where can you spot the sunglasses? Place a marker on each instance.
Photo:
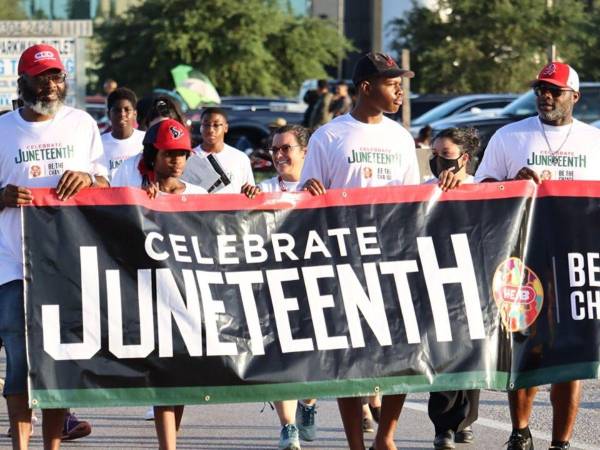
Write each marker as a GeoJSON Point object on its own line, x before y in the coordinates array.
{"type": "Point", "coordinates": [44, 79]}
{"type": "Point", "coordinates": [554, 91]}
{"type": "Point", "coordinates": [284, 149]}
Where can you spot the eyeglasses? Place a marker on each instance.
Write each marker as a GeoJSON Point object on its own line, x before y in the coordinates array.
{"type": "Point", "coordinates": [212, 125]}
{"type": "Point", "coordinates": [554, 91]}
{"type": "Point", "coordinates": [44, 79]}
{"type": "Point", "coordinates": [284, 148]}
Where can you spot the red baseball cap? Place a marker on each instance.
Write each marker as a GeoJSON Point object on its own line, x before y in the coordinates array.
{"type": "Point", "coordinates": [39, 58]}
{"type": "Point", "coordinates": [168, 134]}
{"type": "Point", "coordinates": [559, 74]}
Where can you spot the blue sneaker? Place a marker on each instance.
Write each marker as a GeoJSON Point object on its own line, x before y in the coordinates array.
{"type": "Point", "coordinates": [305, 421]}
{"type": "Point", "coordinates": [288, 438]}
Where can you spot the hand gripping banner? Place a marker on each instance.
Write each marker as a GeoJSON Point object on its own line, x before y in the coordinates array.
{"type": "Point", "coordinates": [219, 298]}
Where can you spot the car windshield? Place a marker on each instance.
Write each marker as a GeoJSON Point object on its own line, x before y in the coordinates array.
{"type": "Point", "coordinates": [439, 112]}
{"type": "Point", "coordinates": [522, 106]}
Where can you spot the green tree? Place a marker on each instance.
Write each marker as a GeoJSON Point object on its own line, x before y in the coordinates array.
{"type": "Point", "coordinates": [589, 40]}
{"type": "Point", "coordinates": [11, 10]}
{"type": "Point", "coordinates": [250, 47]}
{"type": "Point", "coordinates": [488, 46]}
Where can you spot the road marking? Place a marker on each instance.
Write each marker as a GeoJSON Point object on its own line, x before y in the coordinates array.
{"type": "Point", "coordinates": [496, 424]}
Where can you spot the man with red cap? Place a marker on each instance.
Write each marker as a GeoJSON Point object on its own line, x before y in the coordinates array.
{"type": "Point", "coordinates": [44, 144]}
{"type": "Point", "coordinates": [552, 145]}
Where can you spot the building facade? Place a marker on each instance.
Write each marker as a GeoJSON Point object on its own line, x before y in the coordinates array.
{"type": "Point", "coordinates": [75, 9]}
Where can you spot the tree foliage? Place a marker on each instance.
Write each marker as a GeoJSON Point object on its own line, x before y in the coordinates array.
{"type": "Point", "coordinates": [11, 10]}
{"type": "Point", "coordinates": [489, 46]}
{"type": "Point", "coordinates": [249, 47]}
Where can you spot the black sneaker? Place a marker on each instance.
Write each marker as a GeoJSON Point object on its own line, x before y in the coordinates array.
{"type": "Point", "coordinates": [565, 446]}
{"type": "Point", "coordinates": [464, 436]}
{"type": "Point", "coordinates": [444, 441]}
{"type": "Point", "coordinates": [517, 441]}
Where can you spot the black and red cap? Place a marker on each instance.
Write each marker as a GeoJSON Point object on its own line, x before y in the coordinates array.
{"type": "Point", "coordinates": [167, 135]}
{"type": "Point", "coordinates": [378, 65]}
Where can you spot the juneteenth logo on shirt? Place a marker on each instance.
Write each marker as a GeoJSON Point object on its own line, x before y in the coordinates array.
{"type": "Point", "coordinates": [560, 160]}
{"type": "Point", "coordinates": [44, 152]}
{"type": "Point", "coordinates": [115, 163]}
{"type": "Point", "coordinates": [381, 156]}
{"type": "Point", "coordinates": [518, 293]}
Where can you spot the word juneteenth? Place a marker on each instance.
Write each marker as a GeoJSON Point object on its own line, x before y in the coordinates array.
{"type": "Point", "coordinates": [192, 307]}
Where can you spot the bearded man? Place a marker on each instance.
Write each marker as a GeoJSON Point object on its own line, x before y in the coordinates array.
{"type": "Point", "coordinates": [550, 146]}
{"type": "Point", "coordinates": [45, 144]}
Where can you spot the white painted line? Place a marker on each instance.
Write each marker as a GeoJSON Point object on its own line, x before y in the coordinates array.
{"type": "Point", "coordinates": [496, 424]}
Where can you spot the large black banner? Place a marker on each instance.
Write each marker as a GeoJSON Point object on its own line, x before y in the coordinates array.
{"type": "Point", "coordinates": [195, 299]}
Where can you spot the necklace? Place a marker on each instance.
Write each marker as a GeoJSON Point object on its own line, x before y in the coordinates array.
{"type": "Point", "coordinates": [554, 152]}
{"type": "Point", "coordinates": [282, 184]}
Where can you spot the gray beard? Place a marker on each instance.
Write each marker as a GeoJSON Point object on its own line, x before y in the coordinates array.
{"type": "Point", "coordinates": [553, 116]}
{"type": "Point", "coordinates": [45, 108]}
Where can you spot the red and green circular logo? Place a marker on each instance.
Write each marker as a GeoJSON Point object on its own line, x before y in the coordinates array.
{"type": "Point", "coordinates": [518, 293]}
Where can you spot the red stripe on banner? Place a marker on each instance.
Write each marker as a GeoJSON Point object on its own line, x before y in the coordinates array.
{"type": "Point", "coordinates": [286, 200]}
{"type": "Point", "coordinates": [565, 188]}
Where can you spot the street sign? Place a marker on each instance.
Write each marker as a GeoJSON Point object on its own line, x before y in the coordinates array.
{"type": "Point", "coordinates": [10, 51]}
{"type": "Point", "coordinates": [67, 36]}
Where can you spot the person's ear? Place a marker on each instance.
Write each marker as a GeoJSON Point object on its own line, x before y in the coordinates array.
{"type": "Point", "coordinates": [576, 97]}
{"type": "Point", "coordinates": [365, 86]}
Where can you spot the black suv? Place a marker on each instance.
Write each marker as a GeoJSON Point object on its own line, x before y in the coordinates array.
{"type": "Point", "coordinates": [587, 109]}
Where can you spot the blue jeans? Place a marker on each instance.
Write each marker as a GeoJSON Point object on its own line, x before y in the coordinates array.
{"type": "Point", "coordinates": [12, 333]}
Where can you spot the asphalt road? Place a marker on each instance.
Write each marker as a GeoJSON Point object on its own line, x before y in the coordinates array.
{"type": "Point", "coordinates": [244, 427]}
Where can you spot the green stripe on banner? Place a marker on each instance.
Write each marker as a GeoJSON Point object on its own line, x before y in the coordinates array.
{"type": "Point", "coordinates": [61, 398]}
{"type": "Point", "coordinates": [556, 374]}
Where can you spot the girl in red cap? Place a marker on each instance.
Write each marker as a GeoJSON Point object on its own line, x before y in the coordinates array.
{"type": "Point", "coordinates": [158, 168]}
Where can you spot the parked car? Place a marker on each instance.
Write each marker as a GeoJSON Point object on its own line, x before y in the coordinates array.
{"type": "Point", "coordinates": [95, 105]}
{"type": "Point", "coordinates": [587, 109]}
{"type": "Point", "coordinates": [249, 122]}
{"type": "Point", "coordinates": [458, 105]}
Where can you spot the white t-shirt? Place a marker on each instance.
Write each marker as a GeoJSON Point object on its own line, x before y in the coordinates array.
{"type": "Point", "coordinates": [128, 175]}
{"type": "Point", "coordinates": [571, 153]}
{"type": "Point", "coordinates": [118, 150]}
{"type": "Point", "coordinates": [236, 166]}
{"type": "Point", "coordinates": [35, 155]}
{"type": "Point", "coordinates": [273, 185]}
{"type": "Point", "coordinates": [348, 153]}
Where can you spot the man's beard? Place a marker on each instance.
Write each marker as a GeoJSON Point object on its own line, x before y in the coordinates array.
{"type": "Point", "coordinates": [41, 107]}
{"type": "Point", "coordinates": [557, 114]}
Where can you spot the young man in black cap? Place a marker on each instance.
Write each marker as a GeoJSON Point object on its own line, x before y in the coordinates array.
{"type": "Point", "coordinates": [365, 149]}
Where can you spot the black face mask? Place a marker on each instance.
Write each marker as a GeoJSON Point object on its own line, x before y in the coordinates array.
{"type": "Point", "coordinates": [437, 164]}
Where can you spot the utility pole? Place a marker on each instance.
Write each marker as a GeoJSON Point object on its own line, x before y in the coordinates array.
{"type": "Point", "coordinates": [551, 51]}
{"type": "Point", "coordinates": [406, 89]}
{"type": "Point", "coordinates": [340, 27]}
{"type": "Point", "coordinates": [376, 31]}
